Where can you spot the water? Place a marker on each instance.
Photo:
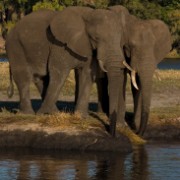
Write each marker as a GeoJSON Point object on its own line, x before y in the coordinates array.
{"type": "Point", "coordinates": [154, 162]}
{"type": "Point", "coordinates": [3, 59]}
{"type": "Point", "coordinates": [169, 63]}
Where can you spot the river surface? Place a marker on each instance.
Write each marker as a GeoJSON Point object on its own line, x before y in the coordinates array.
{"type": "Point", "coordinates": [149, 162]}
{"type": "Point", "coordinates": [169, 63]}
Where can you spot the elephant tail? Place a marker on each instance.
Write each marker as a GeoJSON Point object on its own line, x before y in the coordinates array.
{"type": "Point", "coordinates": [10, 89]}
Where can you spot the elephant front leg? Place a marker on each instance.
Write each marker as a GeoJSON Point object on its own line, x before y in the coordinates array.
{"type": "Point", "coordinates": [85, 84]}
{"type": "Point", "coordinates": [57, 79]}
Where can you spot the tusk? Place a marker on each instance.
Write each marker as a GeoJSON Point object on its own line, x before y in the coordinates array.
{"type": "Point", "coordinates": [102, 66]}
{"type": "Point", "coordinates": [127, 66]}
{"type": "Point", "coordinates": [133, 79]}
{"type": "Point", "coordinates": [133, 74]}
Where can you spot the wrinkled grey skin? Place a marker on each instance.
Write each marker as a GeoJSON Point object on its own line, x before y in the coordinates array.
{"type": "Point", "coordinates": [37, 52]}
{"type": "Point", "coordinates": [145, 44]}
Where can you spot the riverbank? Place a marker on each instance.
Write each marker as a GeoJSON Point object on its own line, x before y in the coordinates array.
{"type": "Point", "coordinates": [66, 131]}
{"type": "Point", "coordinates": [61, 131]}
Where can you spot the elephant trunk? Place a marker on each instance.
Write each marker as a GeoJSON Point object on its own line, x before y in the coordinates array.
{"type": "Point", "coordinates": [145, 79]}
{"type": "Point", "coordinates": [116, 97]}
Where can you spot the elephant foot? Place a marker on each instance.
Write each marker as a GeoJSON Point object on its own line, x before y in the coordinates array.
{"type": "Point", "coordinates": [83, 115]}
{"type": "Point", "coordinates": [119, 126]}
{"type": "Point", "coordinates": [48, 110]}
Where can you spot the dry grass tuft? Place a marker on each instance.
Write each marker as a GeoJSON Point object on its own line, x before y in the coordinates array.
{"type": "Point", "coordinates": [173, 54]}
{"type": "Point", "coordinates": [4, 75]}
{"type": "Point", "coordinates": [170, 81]}
{"type": "Point", "coordinates": [60, 119]}
{"type": "Point", "coordinates": [19, 118]}
{"type": "Point", "coordinates": [135, 139]}
{"type": "Point", "coordinates": [165, 116]}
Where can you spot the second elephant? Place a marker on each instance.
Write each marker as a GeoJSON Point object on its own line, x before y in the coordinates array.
{"type": "Point", "coordinates": [145, 43]}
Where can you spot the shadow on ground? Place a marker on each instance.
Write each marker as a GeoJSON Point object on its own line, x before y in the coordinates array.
{"type": "Point", "coordinates": [67, 106]}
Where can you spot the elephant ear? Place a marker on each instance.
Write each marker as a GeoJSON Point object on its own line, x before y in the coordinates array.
{"type": "Point", "coordinates": [68, 27]}
{"type": "Point", "coordinates": [163, 39]}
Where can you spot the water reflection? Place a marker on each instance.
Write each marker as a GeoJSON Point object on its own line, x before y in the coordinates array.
{"type": "Point", "coordinates": [70, 166]}
{"type": "Point", "coordinates": [139, 164]}
{"type": "Point", "coordinates": [145, 162]}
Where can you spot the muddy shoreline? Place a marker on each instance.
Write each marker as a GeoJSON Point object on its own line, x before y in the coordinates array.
{"type": "Point", "coordinates": [62, 140]}
{"type": "Point", "coordinates": [23, 132]}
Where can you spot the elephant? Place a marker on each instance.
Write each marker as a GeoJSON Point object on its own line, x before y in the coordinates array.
{"type": "Point", "coordinates": [36, 55]}
{"type": "Point", "coordinates": [24, 45]}
{"type": "Point", "coordinates": [44, 46]}
{"type": "Point", "coordinates": [144, 43]}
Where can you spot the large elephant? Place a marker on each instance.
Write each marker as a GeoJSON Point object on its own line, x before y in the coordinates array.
{"type": "Point", "coordinates": [145, 44]}
{"type": "Point", "coordinates": [36, 55]}
{"type": "Point", "coordinates": [28, 50]}
{"type": "Point", "coordinates": [44, 47]}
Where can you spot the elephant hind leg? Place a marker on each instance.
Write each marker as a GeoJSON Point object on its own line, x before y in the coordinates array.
{"type": "Point", "coordinates": [22, 79]}
{"type": "Point", "coordinates": [21, 75]}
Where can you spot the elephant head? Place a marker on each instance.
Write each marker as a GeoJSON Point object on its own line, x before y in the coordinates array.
{"type": "Point", "coordinates": [145, 43]}
{"type": "Point", "coordinates": [82, 30]}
